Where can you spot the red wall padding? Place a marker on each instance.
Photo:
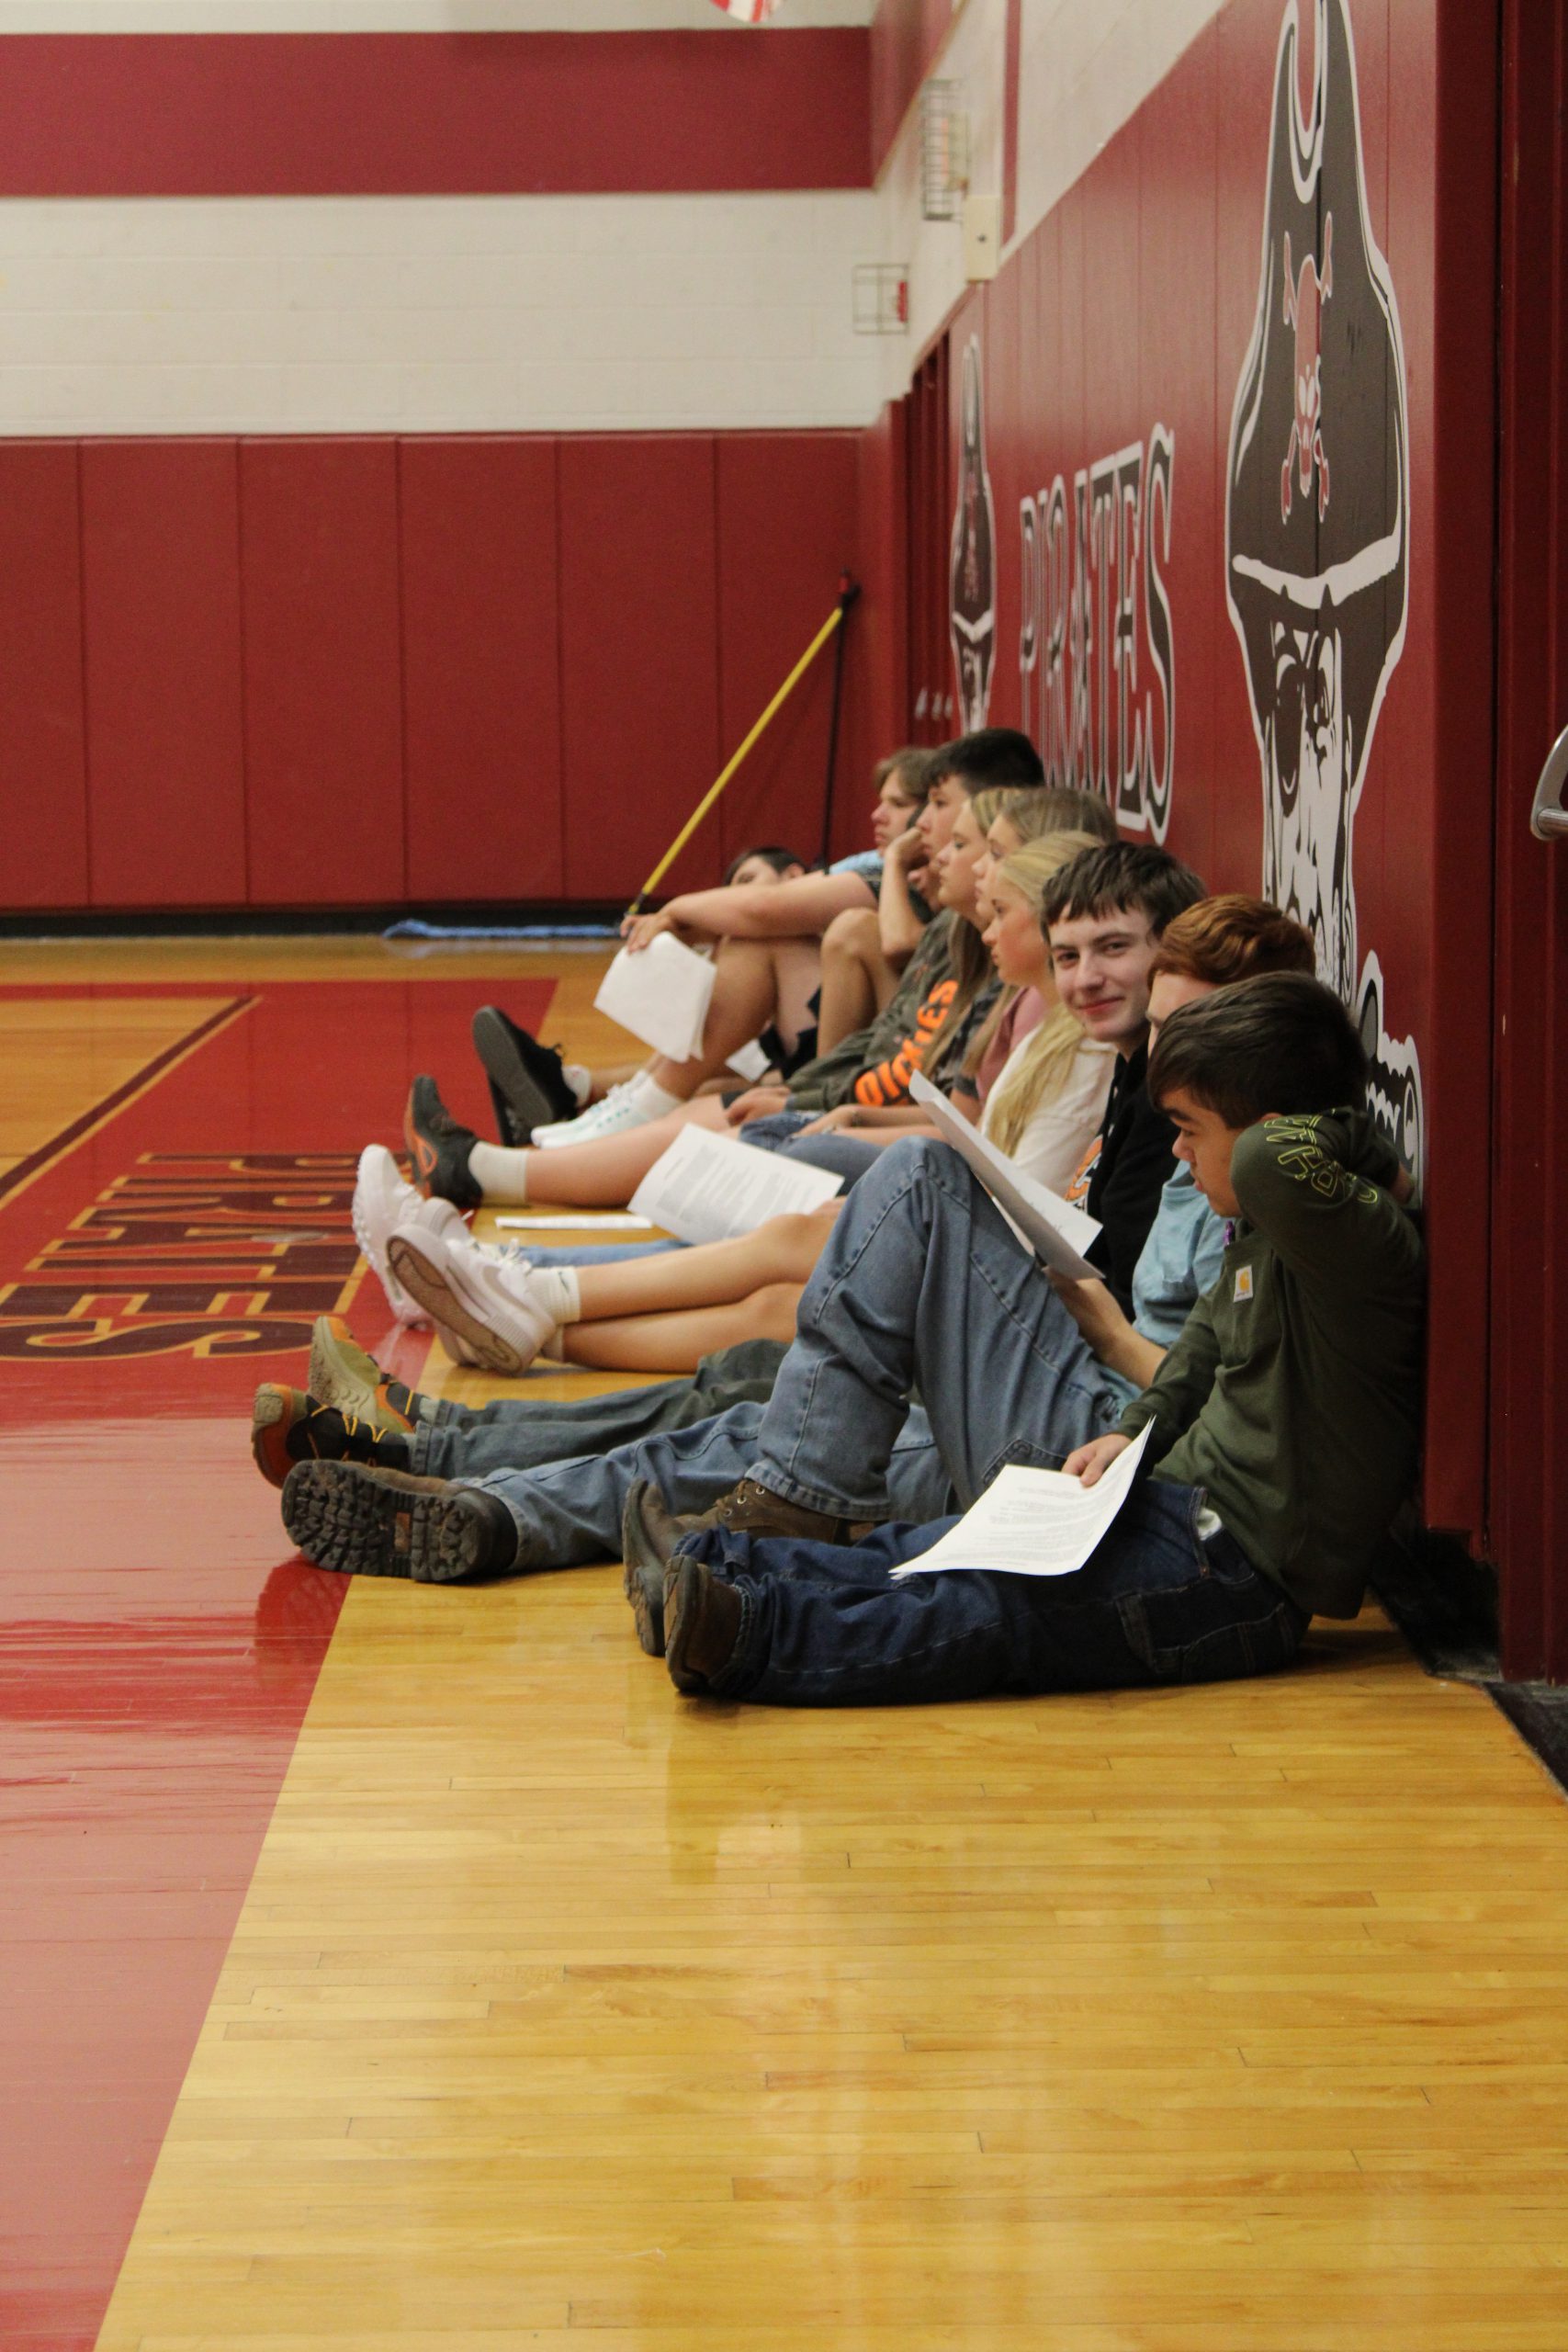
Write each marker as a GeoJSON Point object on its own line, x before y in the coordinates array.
{"type": "Point", "coordinates": [481, 668]}
{"type": "Point", "coordinates": [160, 602]}
{"type": "Point", "coordinates": [43, 780]}
{"type": "Point", "coordinates": [640, 655]}
{"type": "Point", "coordinates": [323, 700]}
{"type": "Point", "coordinates": [446, 669]}
{"type": "Point", "coordinates": [784, 511]}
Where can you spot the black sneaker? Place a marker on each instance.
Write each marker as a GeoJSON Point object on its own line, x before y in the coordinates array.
{"type": "Point", "coordinates": [528, 1084]}
{"type": "Point", "coordinates": [368, 1522]}
{"type": "Point", "coordinates": [439, 1148]}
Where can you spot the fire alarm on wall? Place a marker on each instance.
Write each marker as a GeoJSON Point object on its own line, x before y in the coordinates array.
{"type": "Point", "coordinates": [981, 236]}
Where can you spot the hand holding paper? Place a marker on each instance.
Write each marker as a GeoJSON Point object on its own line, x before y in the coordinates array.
{"type": "Point", "coordinates": [1033, 1522]}
{"type": "Point", "coordinates": [662, 995]}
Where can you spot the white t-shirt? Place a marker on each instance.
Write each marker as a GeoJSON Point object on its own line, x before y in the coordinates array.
{"type": "Point", "coordinates": [1060, 1132]}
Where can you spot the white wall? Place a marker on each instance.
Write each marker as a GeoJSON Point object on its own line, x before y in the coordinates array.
{"type": "Point", "coordinates": [420, 314]}
{"type": "Point", "coordinates": [1085, 67]}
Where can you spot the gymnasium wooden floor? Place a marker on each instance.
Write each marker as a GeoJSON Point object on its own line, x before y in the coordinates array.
{"type": "Point", "coordinates": [387, 1967]}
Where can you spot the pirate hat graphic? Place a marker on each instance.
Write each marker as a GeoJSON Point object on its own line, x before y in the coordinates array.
{"type": "Point", "coordinates": [1317, 485]}
{"type": "Point", "coordinates": [972, 565]}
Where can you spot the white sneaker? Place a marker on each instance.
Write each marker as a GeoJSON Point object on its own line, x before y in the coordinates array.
{"type": "Point", "coordinates": [633, 1104]}
{"type": "Point", "coordinates": [487, 1305]}
{"type": "Point", "coordinates": [382, 1202]}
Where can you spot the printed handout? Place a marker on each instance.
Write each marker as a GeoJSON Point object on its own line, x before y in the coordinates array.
{"type": "Point", "coordinates": [1033, 1522]}
{"type": "Point", "coordinates": [1051, 1226]}
{"type": "Point", "coordinates": [662, 995]}
{"type": "Point", "coordinates": [710, 1188]}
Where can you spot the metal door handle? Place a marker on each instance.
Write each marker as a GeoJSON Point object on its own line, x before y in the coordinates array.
{"type": "Point", "coordinates": [1548, 819]}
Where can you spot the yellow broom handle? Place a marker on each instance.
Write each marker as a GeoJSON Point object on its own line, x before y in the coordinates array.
{"type": "Point", "coordinates": [833, 621]}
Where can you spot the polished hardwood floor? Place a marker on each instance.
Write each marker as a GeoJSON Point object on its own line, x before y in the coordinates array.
{"type": "Point", "coordinates": [562, 2011]}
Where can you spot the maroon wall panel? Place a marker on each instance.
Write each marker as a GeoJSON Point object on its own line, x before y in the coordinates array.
{"type": "Point", "coordinates": [43, 859]}
{"type": "Point", "coordinates": [481, 668]}
{"type": "Point", "coordinates": [639, 656]}
{"type": "Point", "coordinates": [904, 37]}
{"type": "Point", "coordinates": [1178, 136]}
{"type": "Point", "coordinates": [323, 718]}
{"type": "Point", "coordinates": [788, 530]}
{"type": "Point", "coordinates": [1325, 746]}
{"type": "Point", "coordinates": [390, 114]}
{"type": "Point", "coordinates": [161, 605]}
{"type": "Point", "coordinates": [879, 639]}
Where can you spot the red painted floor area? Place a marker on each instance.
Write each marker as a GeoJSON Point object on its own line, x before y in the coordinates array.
{"type": "Point", "coordinates": [158, 1643]}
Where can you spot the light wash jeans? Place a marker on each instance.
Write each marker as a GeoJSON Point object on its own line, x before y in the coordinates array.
{"type": "Point", "coordinates": [923, 1285]}
{"type": "Point", "coordinates": [567, 1513]}
{"type": "Point", "coordinates": [523, 1433]}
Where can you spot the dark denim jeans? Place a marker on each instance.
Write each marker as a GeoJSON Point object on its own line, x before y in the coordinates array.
{"type": "Point", "coordinates": [824, 1626]}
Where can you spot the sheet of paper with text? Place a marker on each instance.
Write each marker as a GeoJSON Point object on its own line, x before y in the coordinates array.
{"type": "Point", "coordinates": [710, 1188]}
{"type": "Point", "coordinates": [1051, 1228]}
{"type": "Point", "coordinates": [1033, 1522]}
{"type": "Point", "coordinates": [662, 995]}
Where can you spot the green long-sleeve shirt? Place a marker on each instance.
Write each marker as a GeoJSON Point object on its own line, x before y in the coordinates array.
{"type": "Point", "coordinates": [1293, 1393]}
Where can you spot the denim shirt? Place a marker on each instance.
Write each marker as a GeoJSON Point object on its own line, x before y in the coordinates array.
{"type": "Point", "coordinates": [1180, 1261]}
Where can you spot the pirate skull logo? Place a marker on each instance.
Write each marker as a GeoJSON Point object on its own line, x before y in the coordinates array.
{"type": "Point", "coordinates": [1317, 518]}
{"type": "Point", "coordinates": [972, 571]}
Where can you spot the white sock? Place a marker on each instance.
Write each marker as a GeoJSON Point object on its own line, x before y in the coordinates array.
{"type": "Point", "coordinates": [557, 1291]}
{"type": "Point", "coordinates": [500, 1171]}
{"type": "Point", "coordinates": [652, 1097]}
{"type": "Point", "coordinates": [580, 1078]}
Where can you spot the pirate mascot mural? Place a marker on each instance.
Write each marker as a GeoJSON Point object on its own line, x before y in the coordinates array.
{"type": "Point", "coordinates": [1318, 529]}
{"type": "Point", "coordinates": [972, 576]}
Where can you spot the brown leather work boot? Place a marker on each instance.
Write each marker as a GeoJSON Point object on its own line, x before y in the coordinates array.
{"type": "Point", "coordinates": [650, 1529]}
{"type": "Point", "coordinates": [702, 1621]}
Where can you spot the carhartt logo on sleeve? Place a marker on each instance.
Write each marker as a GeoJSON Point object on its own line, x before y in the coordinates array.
{"type": "Point", "coordinates": [1243, 1290]}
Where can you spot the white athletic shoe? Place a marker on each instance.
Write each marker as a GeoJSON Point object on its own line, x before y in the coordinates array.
{"type": "Point", "coordinates": [488, 1305]}
{"type": "Point", "coordinates": [633, 1104]}
{"type": "Point", "coordinates": [382, 1202]}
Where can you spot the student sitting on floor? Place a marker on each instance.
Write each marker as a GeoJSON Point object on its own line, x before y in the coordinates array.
{"type": "Point", "coordinates": [1107, 909]}
{"type": "Point", "coordinates": [777, 941]}
{"type": "Point", "coordinates": [1285, 1422]}
{"type": "Point", "coordinates": [673, 1309]}
{"type": "Point", "coordinates": [451, 1161]}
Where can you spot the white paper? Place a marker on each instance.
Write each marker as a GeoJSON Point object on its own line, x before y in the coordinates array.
{"type": "Point", "coordinates": [1033, 1522]}
{"type": "Point", "coordinates": [662, 995]}
{"type": "Point", "coordinates": [1051, 1226]}
{"type": "Point", "coordinates": [751, 1062]}
{"type": "Point", "coordinates": [612, 1221]}
{"type": "Point", "coordinates": [710, 1188]}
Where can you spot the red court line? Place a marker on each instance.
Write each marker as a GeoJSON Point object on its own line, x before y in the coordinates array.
{"type": "Point", "coordinates": [159, 1643]}
{"type": "Point", "coordinates": [28, 1165]}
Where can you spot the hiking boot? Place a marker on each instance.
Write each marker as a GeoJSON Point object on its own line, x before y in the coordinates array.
{"type": "Point", "coordinates": [749, 1509]}
{"type": "Point", "coordinates": [439, 1146]}
{"type": "Point", "coordinates": [342, 1374]}
{"type": "Point", "coordinates": [363, 1522]}
{"type": "Point", "coordinates": [527, 1086]}
{"type": "Point", "coordinates": [649, 1533]}
{"type": "Point", "coordinates": [703, 1616]}
{"type": "Point", "coordinates": [287, 1427]}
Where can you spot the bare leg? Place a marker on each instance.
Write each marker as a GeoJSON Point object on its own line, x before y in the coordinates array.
{"type": "Point", "coordinates": [757, 980]}
{"type": "Point", "coordinates": [677, 1342]}
{"type": "Point", "coordinates": [782, 1249]}
{"type": "Point", "coordinates": [857, 978]}
{"type": "Point", "coordinates": [602, 1175]}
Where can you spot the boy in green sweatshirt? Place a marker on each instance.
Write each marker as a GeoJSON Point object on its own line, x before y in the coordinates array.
{"type": "Point", "coordinates": [1285, 1427]}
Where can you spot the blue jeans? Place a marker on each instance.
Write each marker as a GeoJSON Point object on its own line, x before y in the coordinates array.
{"type": "Point", "coordinates": [841, 1154]}
{"type": "Point", "coordinates": [567, 1513]}
{"type": "Point", "coordinates": [922, 1283]}
{"type": "Point", "coordinates": [523, 1433]}
{"type": "Point", "coordinates": [823, 1626]}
